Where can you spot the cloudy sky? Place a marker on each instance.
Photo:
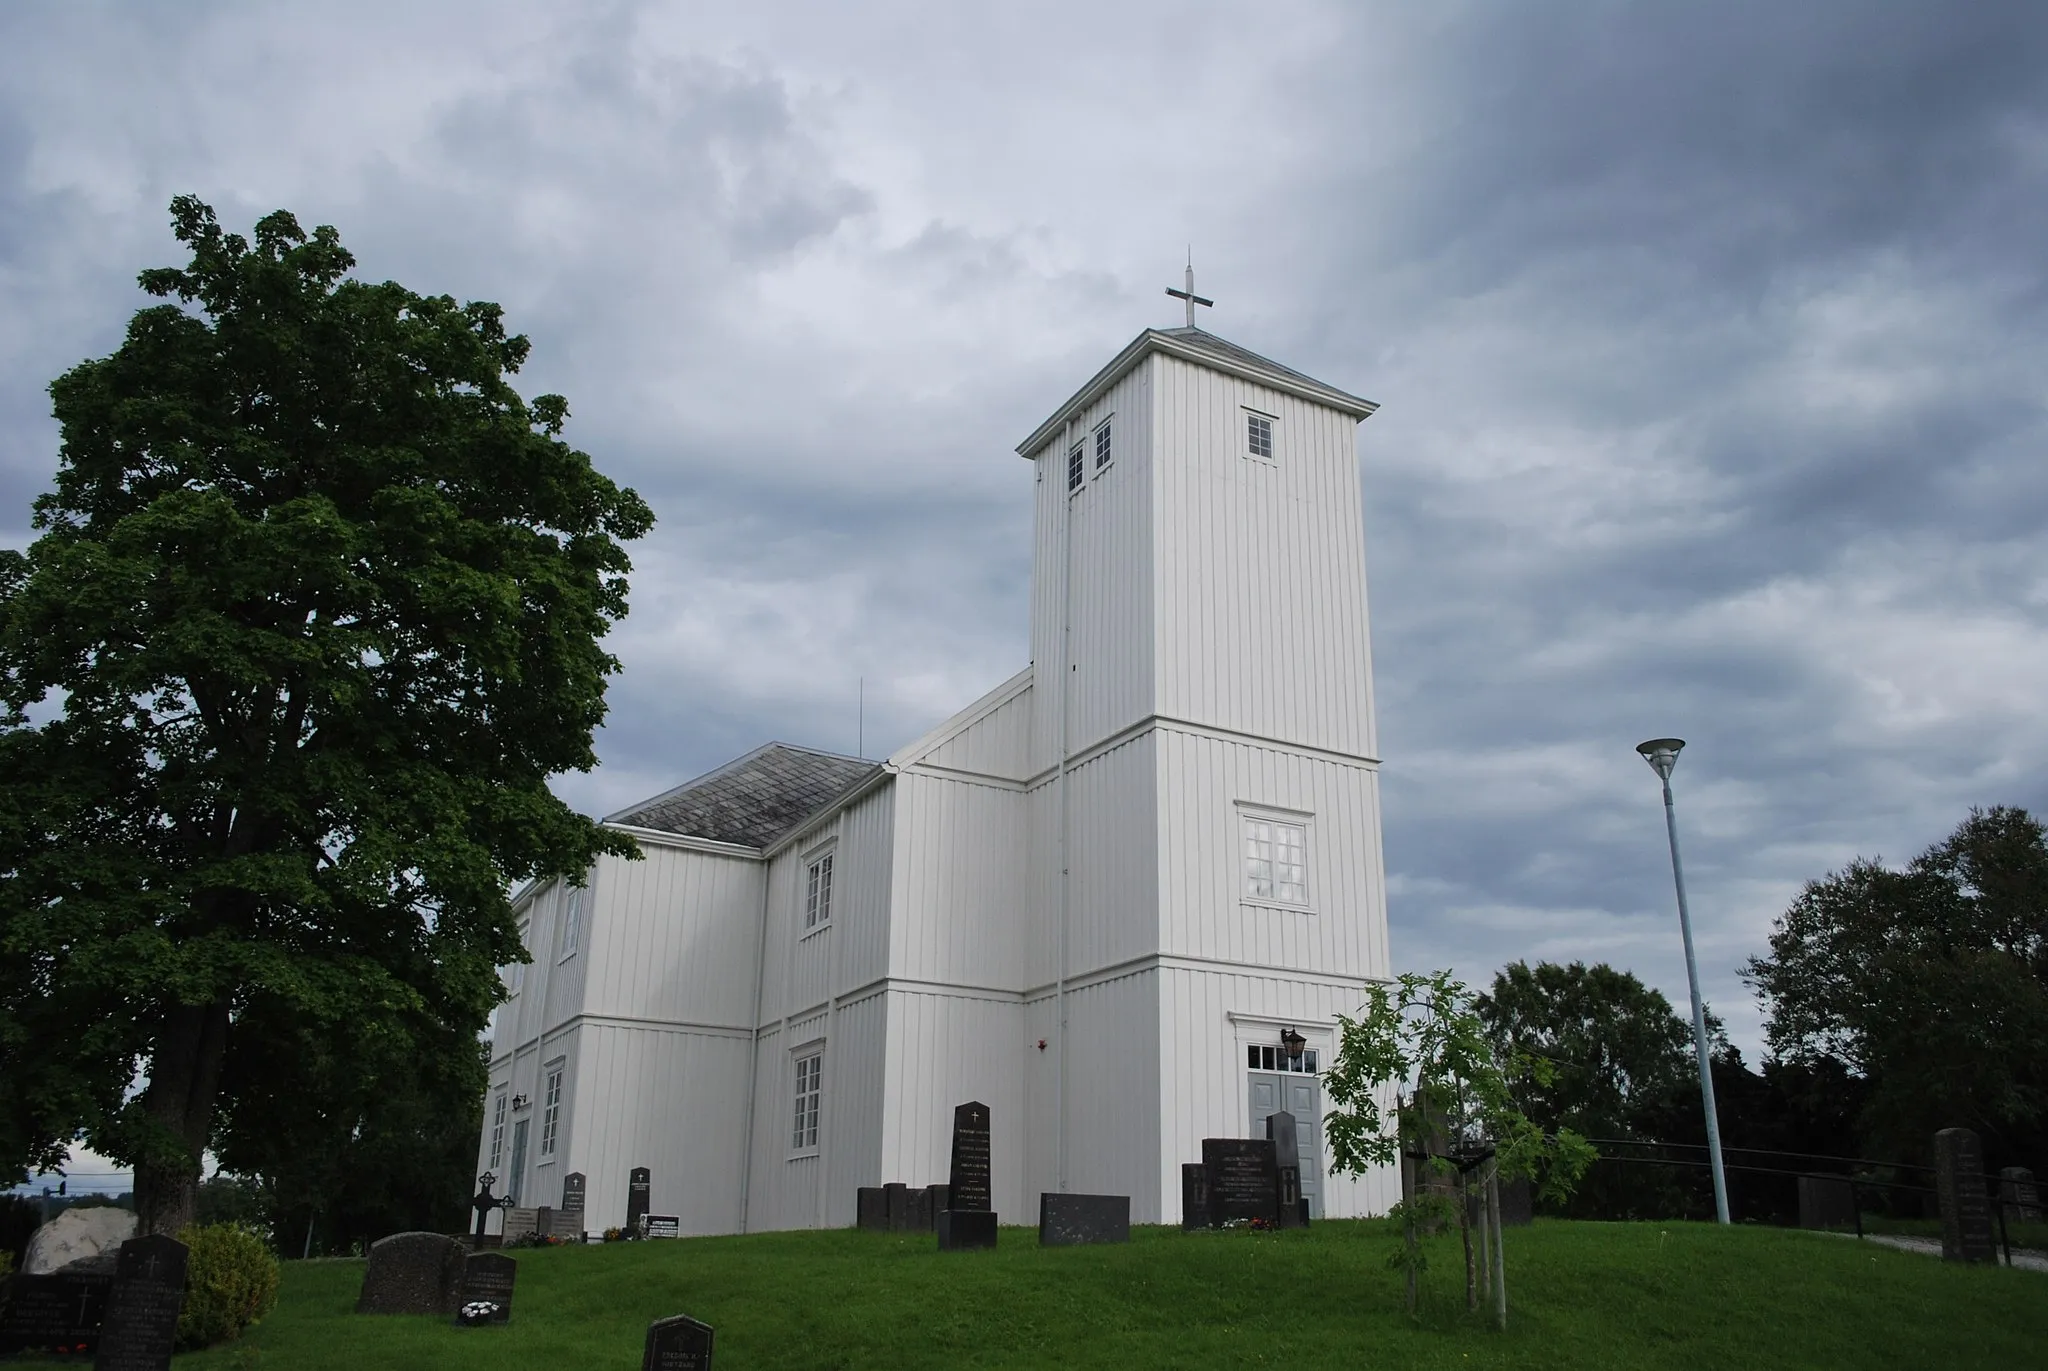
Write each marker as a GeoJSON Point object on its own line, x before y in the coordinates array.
{"type": "Point", "coordinates": [1709, 338]}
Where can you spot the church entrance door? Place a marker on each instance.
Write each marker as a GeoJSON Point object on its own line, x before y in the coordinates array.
{"type": "Point", "coordinates": [1301, 1095]}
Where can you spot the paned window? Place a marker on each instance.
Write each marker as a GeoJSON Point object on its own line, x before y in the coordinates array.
{"type": "Point", "coordinates": [1266, 1057]}
{"type": "Point", "coordinates": [818, 892]}
{"type": "Point", "coordinates": [810, 1073]}
{"type": "Point", "coordinates": [1259, 436]}
{"type": "Point", "coordinates": [1102, 446]}
{"type": "Point", "coordinates": [1076, 467]}
{"type": "Point", "coordinates": [551, 1111]}
{"type": "Point", "coordinates": [497, 1135]}
{"type": "Point", "coordinates": [572, 921]}
{"type": "Point", "coordinates": [1275, 860]}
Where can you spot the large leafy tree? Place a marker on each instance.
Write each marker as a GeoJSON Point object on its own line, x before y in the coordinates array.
{"type": "Point", "coordinates": [1929, 983]}
{"type": "Point", "coordinates": [315, 612]}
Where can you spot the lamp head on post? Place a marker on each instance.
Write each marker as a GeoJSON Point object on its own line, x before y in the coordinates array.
{"type": "Point", "coordinates": [1662, 755]}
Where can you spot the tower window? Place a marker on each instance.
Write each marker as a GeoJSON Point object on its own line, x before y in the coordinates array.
{"type": "Point", "coordinates": [1102, 445]}
{"type": "Point", "coordinates": [1259, 436]}
{"type": "Point", "coordinates": [1275, 861]}
{"type": "Point", "coordinates": [1076, 467]}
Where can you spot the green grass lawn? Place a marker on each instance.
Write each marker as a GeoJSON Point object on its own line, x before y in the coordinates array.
{"type": "Point", "coordinates": [1583, 1295]}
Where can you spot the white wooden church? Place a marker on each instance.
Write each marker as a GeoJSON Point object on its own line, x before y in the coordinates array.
{"type": "Point", "coordinates": [1104, 898]}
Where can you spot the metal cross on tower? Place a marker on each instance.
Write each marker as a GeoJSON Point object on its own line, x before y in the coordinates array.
{"type": "Point", "coordinates": [1189, 294]}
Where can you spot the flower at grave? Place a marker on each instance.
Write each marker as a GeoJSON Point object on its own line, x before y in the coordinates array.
{"type": "Point", "coordinates": [478, 1311]}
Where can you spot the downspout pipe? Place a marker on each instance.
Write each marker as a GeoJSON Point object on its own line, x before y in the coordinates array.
{"type": "Point", "coordinates": [1066, 693]}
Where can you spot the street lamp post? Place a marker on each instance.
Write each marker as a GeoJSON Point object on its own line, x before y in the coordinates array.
{"type": "Point", "coordinates": [1662, 755]}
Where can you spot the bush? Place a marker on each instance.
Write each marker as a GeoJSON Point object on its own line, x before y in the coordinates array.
{"type": "Point", "coordinates": [230, 1283]}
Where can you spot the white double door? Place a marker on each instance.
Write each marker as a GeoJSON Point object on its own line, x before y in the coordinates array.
{"type": "Point", "coordinates": [1301, 1095]}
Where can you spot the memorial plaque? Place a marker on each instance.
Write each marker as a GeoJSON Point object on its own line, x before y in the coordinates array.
{"type": "Point", "coordinates": [59, 1312]}
{"type": "Point", "coordinates": [1826, 1202]}
{"type": "Point", "coordinates": [1194, 1196]}
{"type": "Point", "coordinates": [573, 1190]}
{"type": "Point", "coordinates": [1966, 1226]}
{"type": "Point", "coordinates": [871, 1209]}
{"type": "Point", "coordinates": [2020, 1196]}
{"type": "Point", "coordinates": [964, 1229]}
{"type": "Point", "coordinates": [1243, 1181]}
{"type": "Point", "coordinates": [569, 1217]}
{"type": "Point", "coordinates": [896, 1200]}
{"type": "Point", "coordinates": [664, 1226]}
{"type": "Point", "coordinates": [677, 1344]}
{"type": "Point", "coordinates": [141, 1326]}
{"type": "Point", "coordinates": [639, 1186]}
{"type": "Point", "coordinates": [412, 1273]}
{"type": "Point", "coordinates": [1287, 1194]}
{"type": "Point", "coordinates": [970, 1178]}
{"type": "Point", "coordinates": [1073, 1220]}
{"type": "Point", "coordinates": [487, 1279]}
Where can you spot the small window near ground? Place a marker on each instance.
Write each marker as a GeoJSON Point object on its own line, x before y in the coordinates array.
{"type": "Point", "coordinates": [1259, 436]}
{"type": "Point", "coordinates": [1102, 445]}
{"type": "Point", "coordinates": [810, 1073]}
{"type": "Point", "coordinates": [551, 1111]}
{"type": "Point", "coordinates": [818, 892]}
{"type": "Point", "coordinates": [1275, 860]}
{"type": "Point", "coordinates": [497, 1135]}
{"type": "Point", "coordinates": [1076, 467]}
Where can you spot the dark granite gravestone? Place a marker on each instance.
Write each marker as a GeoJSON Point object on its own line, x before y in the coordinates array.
{"type": "Point", "coordinates": [58, 1312]}
{"type": "Point", "coordinates": [639, 1185]}
{"type": "Point", "coordinates": [1194, 1196]}
{"type": "Point", "coordinates": [1073, 1220]}
{"type": "Point", "coordinates": [2020, 1196]}
{"type": "Point", "coordinates": [487, 1279]}
{"type": "Point", "coordinates": [970, 1178]}
{"type": "Point", "coordinates": [896, 1202]}
{"type": "Point", "coordinates": [141, 1325]}
{"type": "Point", "coordinates": [664, 1226]}
{"type": "Point", "coordinates": [871, 1209]}
{"type": "Point", "coordinates": [1826, 1202]}
{"type": "Point", "coordinates": [962, 1229]}
{"type": "Point", "coordinates": [1281, 1131]}
{"type": "Point", "coordinates": [677, 1344]}
{"type": "Point", "coordinates": [1966, 1231]}
{"type": "Point", "coordinates": [412, 1273]}
{"type": "Point", "coordinates": [923, 1218]}
{"type": "Point", "coordinates": [1287, 1195]}
{"type": "Point", "coordinates": [1243, 1181]}
{"type": "Point", "coordinates": [544, 1221]}
{"type": "Point", "coordinates": [937, 1197]}
{"type": "Point", "coordinates": [1517, 1203]}
{"type": "Point", "coordinates": [569, 1217]}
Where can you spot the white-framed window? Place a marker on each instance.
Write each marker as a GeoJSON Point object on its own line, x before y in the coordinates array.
{"type": "Point", "coordinates": [572, 920]}
{"type": "Point", "coordinates": [818, 891]}
{"type": "Point", "coordinates": [810, 1077]}
{"type": "Point", "coordinates": [1258, 435]}
{"type": "Point", "coordinates": [1102, 444]}
{"type": "Point", "coordinates": [551, 1109]}
{"type": "Point", "coordinates": [1077, 467]}
{"type": "Point", "coordinates": [1275, 859]}
{"type": "Point", "coordinates": [497, 1132]}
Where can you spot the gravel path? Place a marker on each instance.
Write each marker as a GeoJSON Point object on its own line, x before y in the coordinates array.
{"type": "Point", "coordinates": [2022, 1257]}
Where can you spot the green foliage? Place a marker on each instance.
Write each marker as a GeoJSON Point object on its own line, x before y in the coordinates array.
{"type": "Point", "coordinates": [230, 1283]}
{"type": "Point", "coordinates": [315, 612]}
{"type": "Point", "coordinates": [1931, 983]}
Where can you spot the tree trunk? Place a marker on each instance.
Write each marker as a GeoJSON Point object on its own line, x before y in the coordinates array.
{"type": "Point", "coordinates": [1500, 1254]}
{"type": "Point", "coordinates": [184, 1083]}
{"type": "Point", "coordinates": [1465, 1235]}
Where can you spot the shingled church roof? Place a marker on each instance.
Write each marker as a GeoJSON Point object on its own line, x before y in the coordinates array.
{"type": "Point", "coordinates": [752, 801]}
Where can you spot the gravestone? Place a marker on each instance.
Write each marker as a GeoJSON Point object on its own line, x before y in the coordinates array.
{"type": "Point", "coordinates": [664, 1226]}
{"type": "Point", "coordinates": [871, 1209]}
{"type": "Point", "coordinates": [544, 1221]}
{"type": "Point", "coordinates": [483, 1203]}
{"type": "Point", "coordinates": [1281, 1131]}
{"type": "Point", "coordinates": [1073, 1220]}
{"type": "Point", "coordinates": [519, 1222]}
{"type": "Point", "coordinates": [1826, 1202]}
{"type": "Point", "coordinates": [569, 1218]}
{"type": "Point", "coordinates": [937, 1197]}
{"type": "Point", "coordinates": [412, 1273]}
{"type": "Point", "coordinates": [1194, 1196]}
{"type": "Point", "coordinates": [1243, 1181]}
{"type": "Point", "coordinates": [896, 1202]}
{"type": "Point", "coordinates": [60, 1312]}
{"type": "Point", "coordinates": [487, 1279]}
{"type": "Point", "coordinates": [1289, 1200]}
{"type": "Point", "coordinates": [970, 1178]}
{"type": "Point", "coordinates": [1517, 1203]}
{"type": "Point", "coordinates": [1966, 1231]}
{"type": "Point", "coordinates": [677, 1344]}
{"type": "Point", "coordinates": [923, 1218]}
{"type": "Point", "coordinates": [77, 1235]}
{"type": "Point", "coordinates": [141, 1324]}
{"type": "Point", "coordinates": [2018, 1193]}
{"type": "Point", "coordinates": [639, 1186]}
{"type": "Point", "coordinates": [963, 1229]}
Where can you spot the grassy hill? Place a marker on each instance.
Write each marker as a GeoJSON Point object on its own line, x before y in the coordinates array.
{"type": "Point", "coordinates": [1584, 1296]}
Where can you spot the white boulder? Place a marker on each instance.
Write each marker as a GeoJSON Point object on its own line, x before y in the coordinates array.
{"type": "Point", "coordinates": [75, 1235]}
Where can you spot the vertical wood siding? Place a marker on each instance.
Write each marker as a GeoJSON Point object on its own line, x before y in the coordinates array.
{"type": "Point", "coordinates": [997, 744]}
{"type": "Point", "coordinates": [664, 933]}
{"type": "Point", "coordinates": [945, 1050]}
{"type": "Point", "coordinates": [959, 909]}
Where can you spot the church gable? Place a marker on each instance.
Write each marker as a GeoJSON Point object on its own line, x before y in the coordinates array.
{"type": "Point", "coordinates": [753, 801]}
